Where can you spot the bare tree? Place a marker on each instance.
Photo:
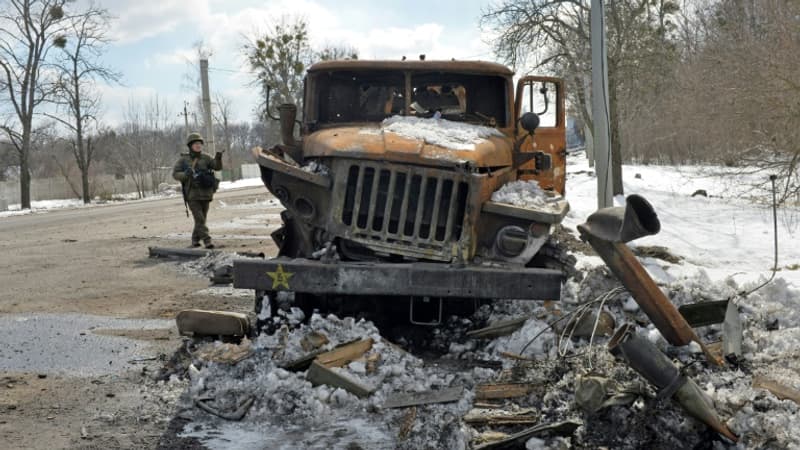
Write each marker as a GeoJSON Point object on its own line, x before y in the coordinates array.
{"type": "Point", "coordinates": [148, 144]}
{"type": "Point", "coordinates": [557, 34]}
{"type": "Point", "coordinates": [336, 51]}
{"type": "Point", "coordinates": [29, 29]}
{"type": "Point", "coordinates": [222, 110]}
{"type": "Point", "coordinates": [79, 68]}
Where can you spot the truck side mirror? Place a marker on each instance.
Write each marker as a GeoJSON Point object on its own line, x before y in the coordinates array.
{"type": "Point", "coordinates": [529, 122]}
{"type": "Point", "coordinates": [287, 113]}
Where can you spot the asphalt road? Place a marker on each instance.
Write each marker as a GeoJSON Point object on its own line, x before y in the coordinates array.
{"type": "Point", "coordinates": [88, 319]}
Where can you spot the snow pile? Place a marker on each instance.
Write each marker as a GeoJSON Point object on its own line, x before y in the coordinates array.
{"type": "Point", "coordinates": [316, 167]}
{"type": "Point", "coordinates": [441, 132]}
{"type": "Point", "coordinates": [239, 184]}
{"type": "Point", "coordinates": [526, 194]}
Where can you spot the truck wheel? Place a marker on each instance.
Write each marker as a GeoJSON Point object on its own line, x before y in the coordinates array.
{"type": "Point", "coordinates": [554, 255]}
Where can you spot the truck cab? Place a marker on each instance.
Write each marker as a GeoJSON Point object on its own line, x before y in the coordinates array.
{"type": "Point", "coordinates": [417, 179]}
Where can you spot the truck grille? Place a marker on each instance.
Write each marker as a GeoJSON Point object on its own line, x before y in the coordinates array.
{"type": "Point", "coordinates": [409, 206]}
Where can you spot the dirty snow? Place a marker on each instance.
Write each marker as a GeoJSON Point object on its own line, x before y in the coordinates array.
{"type": "Point", "coordinates": [166, 191]}
{"type": "Point", "coordinates": [441, 132]}
{"type": "Point", "coordinates": [725, 242]}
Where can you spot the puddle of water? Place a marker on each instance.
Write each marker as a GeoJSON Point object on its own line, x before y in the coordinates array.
{"type": "Point", "coordinates": [65, 343]}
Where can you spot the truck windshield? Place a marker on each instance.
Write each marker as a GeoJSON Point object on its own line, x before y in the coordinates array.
{"type": "Point", "coordinates": [371, 96]}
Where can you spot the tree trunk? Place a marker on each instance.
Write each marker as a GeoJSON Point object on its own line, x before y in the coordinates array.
{"type": "Point", "coordinates": [85, 185]}
{"type": "Point", "coordinates": [83, 165]}
{"type": "Point", "coordinates": [616, 145]}
{"type": "Point", "coordinates": [25, 171]}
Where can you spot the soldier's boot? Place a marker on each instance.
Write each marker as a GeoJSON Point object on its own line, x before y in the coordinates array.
{"type": "Point", "coordinates": [209, 245]}
{"type": "Point", "coordinates": [195, 244]}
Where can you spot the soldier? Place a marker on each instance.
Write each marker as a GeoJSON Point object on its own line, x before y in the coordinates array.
{"type": "Point", "coordinates": [195, 171]}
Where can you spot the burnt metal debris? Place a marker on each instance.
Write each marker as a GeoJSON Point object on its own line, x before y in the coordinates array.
{"type": "Point", "coordinates": [646, 359]}
{"type": "Point", "coordinates": [411, 218]}
{"type": "Point", "coordinates": [607, 231]}
{"type": "Point", "coordinates": [379, 217]}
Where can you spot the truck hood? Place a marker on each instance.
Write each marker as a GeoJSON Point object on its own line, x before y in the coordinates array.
{"type": "Point", "coordinates": [413, 140]}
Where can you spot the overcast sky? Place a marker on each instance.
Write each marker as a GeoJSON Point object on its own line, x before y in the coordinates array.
{"type": "Point", "coordinates": [153, 40]}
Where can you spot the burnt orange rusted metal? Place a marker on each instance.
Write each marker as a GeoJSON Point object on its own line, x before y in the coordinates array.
{"type": "Point", "coordinates": [551, 140]}
{"type": "Point", "coordinates": [370, 141]}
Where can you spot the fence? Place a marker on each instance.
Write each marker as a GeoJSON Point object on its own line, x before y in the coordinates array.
{"type": "Point", "coordinates": [57, 188]}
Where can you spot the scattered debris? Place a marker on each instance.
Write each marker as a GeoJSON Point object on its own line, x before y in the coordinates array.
{"type": "Point", "coordinates": [197, 322]}
{"type": "Point", "coordinates": [517, 440]}
{"type": "Point", "coordinates": [236, 415]}
{"type": "Point", "coordinates": [222, 275]}
{"type": "Point", "coordinates": [304, 362]}
{"type": "Point", "coordinates": [593, 393]}
{"type": "Point", "coordinates": [773, 325]}
{"type": "Point", "coordinates": [508, 390]}
{"type": "Point", "coordinates": [404, 399]}
{"type": "Point", "coordinates": [344, 354]}
{"type": "Point", "coordinates": [497, 329]}
{"type": "Point", "coordinates": [778, 390]}
{"type": "Point", "coordinates": [590, 393]}
{"type": "Point", "coordinates": [407, 423]}
{"type": "Point", "coordinates": [319, 374]}
{"type": "Point", "coordinates": [607, 231]}
{"type": "Point", "coordinates": [732, 329]}
{"type": "Point", "coordinates": [646, 359]}
{"type": "Point", "coordinates": [165, 252]}
{"type": "Point", "coordinates": [494, 417]}
{"type": "Point", "coordinates": [313, 341]}
{"type": "Point", "coordinates": [656, 251]}
{"type": "Point", "coordinates": [489, 436]}
{"type": "Point", "coordinates": [702, 314]}
{"type": "Point", "coordinates": [225, 352]}
{"type": "Point", "coordinates": [583, 325]}
{"type": "Point", "coordinates": [701, 192]}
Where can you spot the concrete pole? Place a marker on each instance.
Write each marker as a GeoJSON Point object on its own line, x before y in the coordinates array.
{"type": "Point", "coordinates": [185, 118]}
{"type": "Point", "coordinates": [209, 126]}
{"type": "Point", "coordinates": [600, 112]}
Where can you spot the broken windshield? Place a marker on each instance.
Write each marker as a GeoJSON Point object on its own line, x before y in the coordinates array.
{"type": "Point", "coordinates": [371, 96]}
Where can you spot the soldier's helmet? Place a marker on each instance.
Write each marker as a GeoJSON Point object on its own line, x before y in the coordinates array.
{"type": "Point", "coordinates": [194, 137]}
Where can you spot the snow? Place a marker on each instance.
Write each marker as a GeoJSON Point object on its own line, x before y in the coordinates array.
{"type": "Point", "coordinates": [166, 191]}
{"type": "Point", "coordinates": [726, 234]}
{"type": "Point", "coordinates": [441, 132]}
{"type": "Point", "coordinates": [526, 194]}
{"type": "Point", "coordinates": [239, 184]}
{"type": "Point", "coordinates": [725, 242]}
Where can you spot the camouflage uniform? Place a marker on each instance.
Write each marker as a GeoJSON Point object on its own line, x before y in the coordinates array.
{"type": "Point", "coordinates": [198, 197]}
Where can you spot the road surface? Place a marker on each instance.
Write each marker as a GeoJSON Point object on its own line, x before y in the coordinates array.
{"type": "Point", "coordinates": [83, 311]}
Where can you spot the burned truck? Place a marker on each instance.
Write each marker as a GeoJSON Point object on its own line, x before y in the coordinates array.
{"type": "Point", "coordinates": [415, 189]}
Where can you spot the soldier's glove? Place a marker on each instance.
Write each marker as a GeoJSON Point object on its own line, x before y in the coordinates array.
{"type": "Point", "coordinates": [196, 175]}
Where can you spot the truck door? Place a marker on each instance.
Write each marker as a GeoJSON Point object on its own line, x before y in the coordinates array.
{"type": "Point", "coordinates": [545, 97]}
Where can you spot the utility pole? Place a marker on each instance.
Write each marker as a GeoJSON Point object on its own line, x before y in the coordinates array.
{"type": "Point", "coordinates": [601, 138]}
{"type": "Point", "coordinates": [209, 134]}
{"type": "Point", "coordinates": [185, 115]}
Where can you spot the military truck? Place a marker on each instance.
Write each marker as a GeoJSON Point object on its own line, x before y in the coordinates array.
{"type": "Point", "coordinates": [415, 189]}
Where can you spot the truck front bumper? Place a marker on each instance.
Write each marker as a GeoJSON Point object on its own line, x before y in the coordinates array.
{"type": "Point", "coordinates": [407, 279]}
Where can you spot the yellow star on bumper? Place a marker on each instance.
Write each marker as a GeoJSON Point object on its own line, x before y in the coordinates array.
{"type": "Point", "coordinates": [280, 277]}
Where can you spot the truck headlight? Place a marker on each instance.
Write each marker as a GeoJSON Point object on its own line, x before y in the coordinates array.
{"type": "Point", "coordinates": [511, 240]}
